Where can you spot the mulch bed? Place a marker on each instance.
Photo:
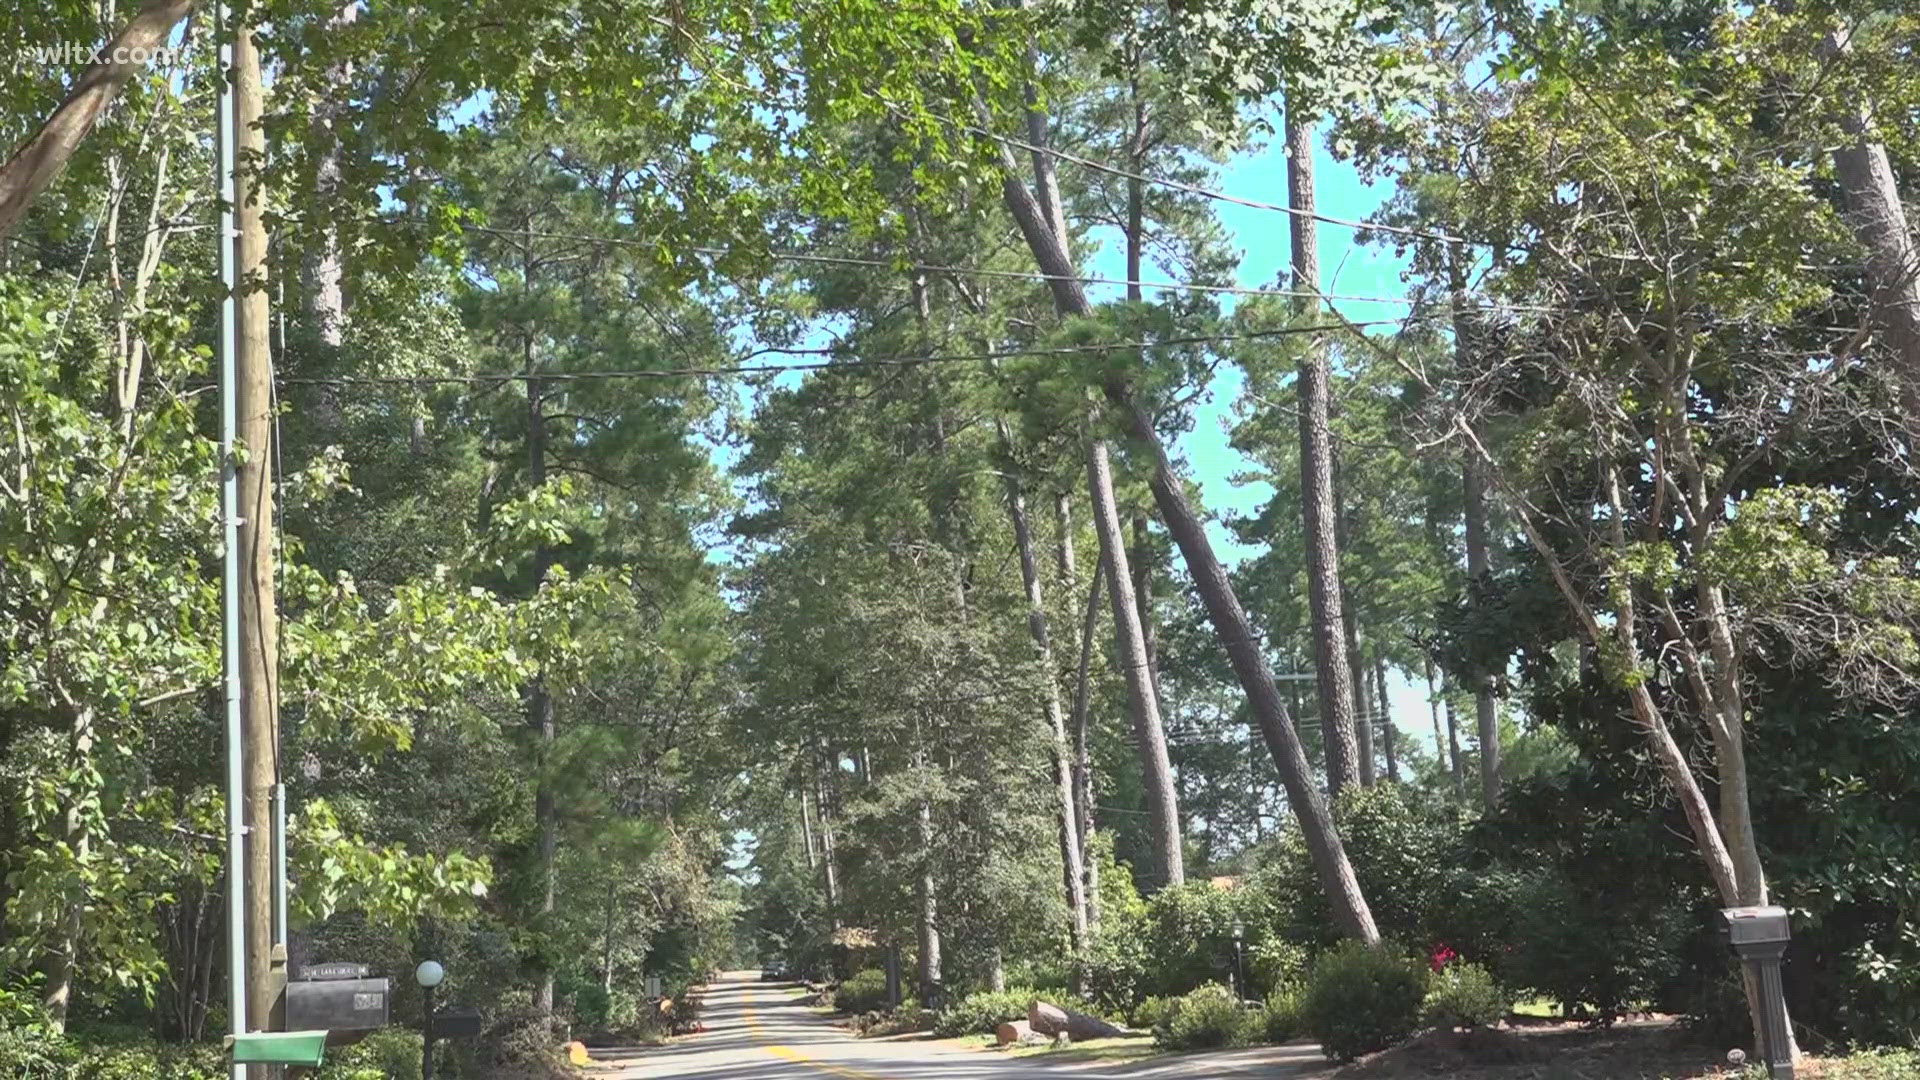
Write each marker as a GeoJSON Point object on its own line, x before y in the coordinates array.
{"type": "Point", "coordinates": [1646, 1049]}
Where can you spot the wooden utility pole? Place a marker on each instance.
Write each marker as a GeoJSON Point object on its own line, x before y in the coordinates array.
{"type": "Point", "coordinates": [259, 637]}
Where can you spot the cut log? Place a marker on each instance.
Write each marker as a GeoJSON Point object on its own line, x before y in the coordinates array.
{"type": "Point", "coordinates": [1012, 1032]}
{"type": "Point", "coordinates": [1049, 1019]}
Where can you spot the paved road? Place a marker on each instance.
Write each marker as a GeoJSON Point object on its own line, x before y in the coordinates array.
{"type": "Point", "coordinates": [755, 1031]}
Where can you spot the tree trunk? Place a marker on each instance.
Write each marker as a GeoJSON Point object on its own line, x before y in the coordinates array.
{"type": "Point", "coordinates": [37, 161]}
{"type": "Point", "coordinates": [1046, 183]}
{"type": "Point", "coordinates": [57, 995]}
{"type": "Point", "coordinates": [1249, 658]}
{"type": "Point", "coordinates": [1083, 750]}
{"type": "Point", "coordinates": [1479, 561]}
{"type": "Point", "coordinates": [827, 860]}
{"type": "Point", "coordinates": [1363, 706]}
{"type": "Point", "coordinates": [1871, 197]}
{"type": "Point", "coordinates": [1050, 252]}
{"type": "Point", "coordinates": [1056, 721]}
{"type": "Point", "coordinates": [806, 832]}
{"type": "Point", "coordinates": [1136, 193]}
{"type": "Point", "coordinates": [1439, 731]}
{"type": "Point", "coordinates": [927, 968]}
{"type": "Point", "coordinates": [1386, 717]}
{"type": "Point", "coordinates": [1333, 681]}
{"type": "Point", "coordinates": [326, 297]}
{"type": "Point", "coordinates": [1142, 558]}
{"type": "Point", "coordinates": [259, 615]}
{"type": "Point", "coordinates": [606, 956]}
{"type": "Point", "coordinates": [1486, 712]}
{"type": "Point", "coordinates": [1163, 805]}
{"type": "Point", "coordinates": [1453, 742]}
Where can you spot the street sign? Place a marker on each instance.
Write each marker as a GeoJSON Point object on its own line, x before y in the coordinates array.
{"type": "Point", "coordinates": [329, 972]}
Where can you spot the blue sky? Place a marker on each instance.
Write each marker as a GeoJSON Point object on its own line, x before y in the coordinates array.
{"type": "Point", "coordinates": [1263, 242]}
{"type": "Point", "coordinates": [1265, 247]}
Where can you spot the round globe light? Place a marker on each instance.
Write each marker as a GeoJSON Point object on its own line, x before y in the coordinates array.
{"type": "Point", "coordinates": [429, 973]}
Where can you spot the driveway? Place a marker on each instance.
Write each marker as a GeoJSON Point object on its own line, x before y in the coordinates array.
{"type": "Point", "coordinates": [756, 1031]}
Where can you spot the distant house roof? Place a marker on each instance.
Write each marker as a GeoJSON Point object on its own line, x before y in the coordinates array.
{"type": "Point", "coordinates": [855, 937]}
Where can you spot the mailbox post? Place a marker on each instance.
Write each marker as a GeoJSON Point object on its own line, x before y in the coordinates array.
{"type": "Point", "coordinates": [1759, 936]}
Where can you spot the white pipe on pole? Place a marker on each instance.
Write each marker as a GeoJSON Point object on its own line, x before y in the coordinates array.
{"type": "Point", "coordinates": [280, 865]}
{"type": "Point", "coordinates": [225, 137]}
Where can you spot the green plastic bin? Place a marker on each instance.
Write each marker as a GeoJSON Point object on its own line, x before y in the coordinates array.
{"type": "Point", "coordinates": [279, 1048]}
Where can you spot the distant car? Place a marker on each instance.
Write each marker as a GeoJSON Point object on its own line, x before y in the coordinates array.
{"type": "Point", "coordinates": [775, 972]}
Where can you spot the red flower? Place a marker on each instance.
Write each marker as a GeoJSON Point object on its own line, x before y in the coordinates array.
{"type": "Point", "coordinates": [1442, 956]}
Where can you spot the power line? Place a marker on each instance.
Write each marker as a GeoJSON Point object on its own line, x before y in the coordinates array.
{"type": "Point", "coordinates": [971, 271]}
{"type": "Point", "coordinates": [1221, 196]}
{"type": "Point", "coordinates": [858, 362]}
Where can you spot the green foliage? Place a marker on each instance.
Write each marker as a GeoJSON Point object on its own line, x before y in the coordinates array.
{"type": "Point", "coordinates": [865, 991]}
{"type": "Point", "coordinates": [1276, 962]}
{"type": "Point", "coordinates": [335, 871]}
{"type": "Point", "coordinates": [1152, 1012]}
{"type": "Point", "coordinates": [1209, 1018]}
{"type": "Point", "coordinates": [1883, 1064]}
{"type": "Point", "coordinates": [33, 1053]}
{"type": "Point", "coordinates": [1281, 1019]}
{"type": "Point", "coordinates": [387, 1054]}
{"type": "Point", "coordinates": [981, 1012]}
{"type": "Point", "coordinates": [1362, 998]}
{"type": "Point", "coordinates": [1188, 932]}
{"type": "Point", "coordinates": [153, 1061]}
{"type": "Point", "coordinates": [1462, 994]}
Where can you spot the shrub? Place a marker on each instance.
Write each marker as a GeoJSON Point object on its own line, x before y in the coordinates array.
{"type": "Point", "coordinates": [1152, 1013]}
{"type": "Point", "coordinates": [153, 1061]}
{"type": "Point", "coordinates": [597, 1008]}
{"type": "Point", "coordinates": [680, 1014]}
{"type": "Point", "coordinates": [1207, 1019]}
{"type": "Point", "coordinates": [1280, 1021]}
{"type": "Point", "coordinates": [32, 1053]}
{"type": "Point", "coordinates": [1360, 999]}
{"type": "Point", "coordinates": [1117, 964]}
{"type": "Point", "coordinates": [980, 1013]}
{"type": "Point", "coordinates": [387, 1054]}
{"type": "Point", "coordinates": [1874, 1065]}
{"type": "Point", "coordinates": [864, 992]}
{"type": "Point", "coordinates": [1465, 995]}
{"type": "Point", "coordinates": [1275, 962]}
{"type": "Point", "coordinates": [910, 1016]}
{"type": "Point", "coordinates": [1189, 934]}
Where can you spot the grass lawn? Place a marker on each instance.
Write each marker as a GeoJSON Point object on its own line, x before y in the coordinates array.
{"type": "Point", "coordinates": [1644, 1049]}
{"type": "Point", "coordinates": [1125, 1048]}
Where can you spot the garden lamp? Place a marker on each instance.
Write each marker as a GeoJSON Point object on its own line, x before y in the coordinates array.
{"type": "Point", "coordinates": [428, 975]}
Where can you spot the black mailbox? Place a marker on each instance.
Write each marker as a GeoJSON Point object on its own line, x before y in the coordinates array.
{"type": "Point", "coordinates": [456, 1023]}
{"type": "Point", "coordinates": [337, 1004]}
{"type": "Point", "coordinates": [1755, 931]}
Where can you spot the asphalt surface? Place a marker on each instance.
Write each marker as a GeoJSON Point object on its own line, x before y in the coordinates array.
{"type": "Point", "coordinates": [756, 1031]}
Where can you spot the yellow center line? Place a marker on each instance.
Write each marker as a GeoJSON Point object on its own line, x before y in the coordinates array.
{"type": "Point", "coordinates": [788, 1053]}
